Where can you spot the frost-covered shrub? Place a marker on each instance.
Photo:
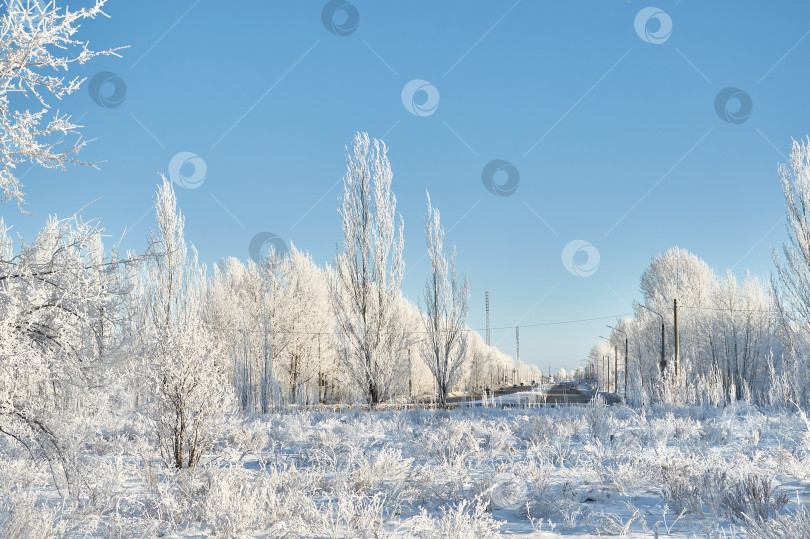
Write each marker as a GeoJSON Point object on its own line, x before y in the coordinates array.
{"type": "Point", "coordinates": [462, 521]}
{"type": "Point", "coordinates": [754, 498]}
{"type": "Point", "coordinates": [795, 524]}
{"type": "Point", "coordinates": [454, 441]}
{"type": "Point", "coordinates": [595, 417]}
{"type": "Point", "coordinates": [714, 485]}
{"type": "Point", "coordinates": [561, 503]}
{"type": "Point", "coordinates": [682, 489]}
{"type": "Point", "coordinates": [494, 435]}
{"type": "Point", "coordinates": [364, 474]}
{"type": "Point", "coordinates": [21, 515]}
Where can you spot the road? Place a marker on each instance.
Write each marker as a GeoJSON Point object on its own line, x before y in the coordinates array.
{"type": "Point", "coordinates": [557, 394]}
{"type": "Point", "coordinates": [567, 394]}
{"type": "Point", "coordinates": [499, 392]}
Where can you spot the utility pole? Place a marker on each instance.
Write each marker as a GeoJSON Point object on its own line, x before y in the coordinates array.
{"type": "Point", "coordinates": [607, 359]}
{"type": "Point", "coordinates": [626, 349]}
{"type": "Point", "coordinates": [616, 368]}
{"type": "Point", "coordinates": [517, 341]}
{"type": "Point", "coordinates": [486, 301]}
{"type": "Point", "coordinates": [410, 375]}
{"type": "Point", "coordinates": [626, 360]}
{"type": "Point", "coordinates": [677, 340]}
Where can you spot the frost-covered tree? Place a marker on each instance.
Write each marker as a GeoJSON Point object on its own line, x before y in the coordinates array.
{"type": "Point", "coordinates": [731, 346]}
{"type": "Point", "coordinates": [792, 285]}
{"type": "Point", "coordinates": [601, 362]}
{"type": "Point", "coordinates": [415, 377]}
{"type": "Point", "coordinates": [59, 309]}
{"type": "Point", "coordinates": [241, 312]}
{"type": "Point", "coordinates": [793, 263]}
{"type": "Point", "coordinates": [476, 369]}
{"type": "Point", "coordinates": [679, 274]}
{"type": "Point", "coordinates": [368, 271]}
{"type": "Point", "coordinates": [185, 364]}
{"type": "Point", "coordinates": [445, 304]}
{"type": "Point", "coordinates": [37, 45]}
{"type": "Point", "coordinates": [304, 323]}
{"type": "Point", "coordinates": [740, 335]}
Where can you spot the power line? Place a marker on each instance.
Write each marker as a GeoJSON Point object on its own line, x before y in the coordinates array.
{"type": "Point", "coordinates": [733, 310]}
{"type": "Point", "coordinates": [541, 324]}
{"type": "Point", "coordinates": [563, 322]}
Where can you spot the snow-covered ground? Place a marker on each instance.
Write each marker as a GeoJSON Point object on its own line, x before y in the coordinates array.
{"type": "Point", "coordinates": [473, 472]}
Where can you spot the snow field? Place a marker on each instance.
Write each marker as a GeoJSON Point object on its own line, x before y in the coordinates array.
{"type": "Point", "coordinates": [573, 471]}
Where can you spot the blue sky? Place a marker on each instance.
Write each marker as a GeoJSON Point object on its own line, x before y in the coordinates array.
{"type": "Point", "coordinates": [617, 140]}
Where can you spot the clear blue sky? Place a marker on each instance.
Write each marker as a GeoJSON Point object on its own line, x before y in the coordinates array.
{"type": "Point", "coordinates": [598, 122]}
